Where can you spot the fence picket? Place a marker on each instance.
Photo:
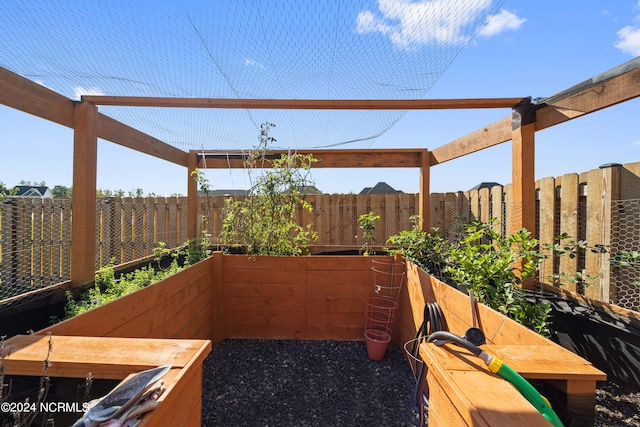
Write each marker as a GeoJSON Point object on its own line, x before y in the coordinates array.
{"type": "Point", "coordinates": [485, 206]}
{"type": "Point", "coordinates": [436, 214]}
{"type": "Point", "coordinates": [497, 205]}
{"type": "Point", "coordinates": [594, 221]}
{"type": "Point", "coordinates": [546, 221]}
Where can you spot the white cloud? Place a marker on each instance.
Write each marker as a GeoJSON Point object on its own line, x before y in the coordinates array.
{"type": "Point", "coordinates": [253, 63]}
{"type": "Point", "coordinates": [367, 22]}
{"type": "Point", "coordinates": [411, 24]}
{"type": "Point", "coordinates": [501, 22]}
{"type": "Point", "coordinates": [629, 40]}
{"type": "Point", "coordinates": [79, 91]}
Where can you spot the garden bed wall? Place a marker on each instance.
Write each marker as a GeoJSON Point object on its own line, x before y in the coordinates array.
{"type": "Point", "coordinates": [179, 306]}
{"type": "Point", "coordinates": [237, 296]}
{"type": "Point", "coordinates": [309, 297]}
{"type": "Point", "coordinates": [422, 288]}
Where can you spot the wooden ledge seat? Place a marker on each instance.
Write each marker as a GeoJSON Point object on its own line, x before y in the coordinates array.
{"type": "Point", "coordinates": [117, 358]}
{"type": "Point", "coordinates": [458, 379]}
{"type": "Point", "coordinates": [462, 390]}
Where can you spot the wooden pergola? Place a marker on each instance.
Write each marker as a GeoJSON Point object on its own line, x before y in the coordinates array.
{"type": "Point", "coordinates": [525, 119]}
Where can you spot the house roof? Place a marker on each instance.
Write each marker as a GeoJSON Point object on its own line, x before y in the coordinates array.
{"type": "Point", "coordinates": [484, 185]}
{"type": "Point", "coordinates": [32, 191]}
{"type": "Point", "coordinates": [380, 188]}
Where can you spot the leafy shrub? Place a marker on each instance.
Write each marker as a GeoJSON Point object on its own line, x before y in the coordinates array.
{"type": "Point", "coordinates": [367, 223]}
{"type": "Point", "coordinates": [424, 249]}
{"type": "Point", "coordinates": [485, 262]}
{"type": "Point", "coordinates": [108, 288]}
{"type": "Point", "coordinates": [493, 266]}
{"type": "Point", "coordinates": [264, 222]}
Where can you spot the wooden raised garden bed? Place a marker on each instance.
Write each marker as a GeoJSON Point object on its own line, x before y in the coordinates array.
{"type": "Point", "coordinates": [311, 297]}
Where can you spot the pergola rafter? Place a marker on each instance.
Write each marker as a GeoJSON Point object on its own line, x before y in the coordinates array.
{"type": "Point", "coordinates": [304, 104]}
{"type": "Point", "coordinates": [617, 85]}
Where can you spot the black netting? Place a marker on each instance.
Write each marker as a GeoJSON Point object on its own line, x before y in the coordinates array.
{"type": "Point", "coordinates": [323, 49]}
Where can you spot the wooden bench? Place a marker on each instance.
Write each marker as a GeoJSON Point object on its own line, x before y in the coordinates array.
{"type": "Point", "coordinates": [117, 358]}
{"type": "Point", "coordinates": [462, 390]}
{"type": "Point", "coordinates": [483, 398]}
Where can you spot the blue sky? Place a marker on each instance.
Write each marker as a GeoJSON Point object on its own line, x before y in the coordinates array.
{"type": "Point", "coordinates": [528, 49]}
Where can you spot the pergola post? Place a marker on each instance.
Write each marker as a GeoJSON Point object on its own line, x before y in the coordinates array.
{"type": "Point", "coordinates": [192, 196]}
{"type": "Point", "coordinates": [424, 199]}
{"type": "Point", "coordinates": [523, 196]}
{"type": "Point", "coordinates": [523, 185]}
{"type": "Point", "coordinates": [85, 165]}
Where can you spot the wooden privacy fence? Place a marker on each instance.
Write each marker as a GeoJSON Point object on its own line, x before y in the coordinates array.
{"type": "Point", "coordinates": [595, 206]}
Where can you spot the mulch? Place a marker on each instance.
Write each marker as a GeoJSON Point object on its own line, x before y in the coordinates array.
{"type": "Point", "coordinates": [306, 383]}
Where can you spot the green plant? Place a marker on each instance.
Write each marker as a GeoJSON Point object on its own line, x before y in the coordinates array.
{"type": "Point", "coordinates": [630, 259]}
{"type": "Point", "coordinates": [493, 266]}
{"type": "Point", "coordinates": [367, 223]}
{"type": "Point", "coordinates": [483, 261]}
{"type": "Point", "coordinates": [108, 288]}
{"type": "Point", "coordinates": [198, 248]}
{"type": "Point", "coordinates": [264, 222]}
{"type": "Point", "coordinates": [426, 249]}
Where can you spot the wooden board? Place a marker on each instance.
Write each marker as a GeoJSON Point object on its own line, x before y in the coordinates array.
{"type": "Point", "coordinates": [109, 358]}
{"type": "Point", "coordinates": [159, 307]}
{"type": "Point", "coordinates": [569, 208]}
{"type": "Point", "coordinates": [317, 297]}
{"type": "Point", "coordinates": [532, 362]}
{"type": "Point", "coordinates": [547, 232]}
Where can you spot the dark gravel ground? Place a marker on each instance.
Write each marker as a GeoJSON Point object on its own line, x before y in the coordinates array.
{"type": "Point", "coordinates": [334, 383]}
{"type": "Point", "coordinates": [617, 406]}
{"type": "Point", "coordinates": [306, 383]}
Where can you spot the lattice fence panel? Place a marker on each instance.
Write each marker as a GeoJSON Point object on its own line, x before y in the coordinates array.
{"type": "Point", "coordinates": [625, 236]}
{"type": "Point", "coordinates": [35, 243]}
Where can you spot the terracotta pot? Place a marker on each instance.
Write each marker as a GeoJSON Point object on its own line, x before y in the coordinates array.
{"type": "Point", "coordinates": [377, 342]}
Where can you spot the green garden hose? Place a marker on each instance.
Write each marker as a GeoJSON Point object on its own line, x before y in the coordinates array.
{"type": "Point", "coordinates": [497, 366]}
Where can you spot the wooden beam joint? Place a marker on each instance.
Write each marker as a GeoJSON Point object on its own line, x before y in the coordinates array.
{"type": "Point", "coordinates": [523, 114]}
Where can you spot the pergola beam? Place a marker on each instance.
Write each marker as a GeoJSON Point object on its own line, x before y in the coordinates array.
{"type": "Point", "coordinates": [337, 158]}
{"type": "Point", "coordinates": [126, 136]}
{"type": "Point", "coordinates": [85, 160]}
{"type": "Point", "coordinates": [493, 134]}
{"type": "Point", "coordinates": [24, 95]}
{"type": "Point", "coordinates": [617, 85]}
{"type": "Point", "coordinates": [304, 104]}
{"type": "Point", "coordinates": [523, 191]}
